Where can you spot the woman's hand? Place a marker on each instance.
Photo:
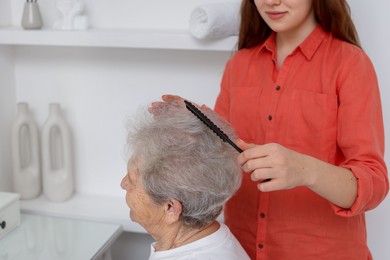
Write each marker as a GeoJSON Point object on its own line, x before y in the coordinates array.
{"type": "Point", "coordinates": [173, 102]}
{"type": "Point", "coordinates": [168, 102]}
{"type": "Point", "coordinates": [273, 166]}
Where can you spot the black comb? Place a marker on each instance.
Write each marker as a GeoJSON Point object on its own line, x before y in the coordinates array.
{"type": "Point", "coordinates": [202, 117]}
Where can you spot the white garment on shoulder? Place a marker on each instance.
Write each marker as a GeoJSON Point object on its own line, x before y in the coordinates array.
{"type": "Point", "coordinates": [220, 245]}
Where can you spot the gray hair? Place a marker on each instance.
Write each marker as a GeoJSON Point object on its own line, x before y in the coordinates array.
{"type": "Point", "coordinates": [180, 158]}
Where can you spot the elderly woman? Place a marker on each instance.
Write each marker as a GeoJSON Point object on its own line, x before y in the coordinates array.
{"type": "Point", "coordinates": [180, 174]}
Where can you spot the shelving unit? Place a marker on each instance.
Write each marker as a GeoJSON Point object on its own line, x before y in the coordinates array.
{"type": "Point", "coordinates": [115, 38]}
{"type": "Point", "coordinates": [82, 62]}
{"type": "Point", "coordinates": [85, 206]}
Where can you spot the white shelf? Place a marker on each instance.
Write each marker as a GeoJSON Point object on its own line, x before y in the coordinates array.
{"type": "Point", "coordinates": [86, 207]}
{"type": "Point", "coordinates": [129, 38]}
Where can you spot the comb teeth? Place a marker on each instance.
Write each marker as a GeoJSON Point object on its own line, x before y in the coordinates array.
{"type": "Point", "coordinates": [202, 117]}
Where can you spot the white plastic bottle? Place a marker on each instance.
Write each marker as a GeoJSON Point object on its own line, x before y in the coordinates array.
{"type": "Point", "coordinates": [25, 154]}
{"type": "Point", "coordinates": [57, 163]}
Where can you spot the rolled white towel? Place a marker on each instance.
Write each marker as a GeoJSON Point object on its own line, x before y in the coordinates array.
{"type": "Point", "coordinates": [216, 20]}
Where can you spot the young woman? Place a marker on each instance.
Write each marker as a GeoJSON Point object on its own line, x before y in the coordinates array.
{"type": "Point", "coordinates": [304, 100]}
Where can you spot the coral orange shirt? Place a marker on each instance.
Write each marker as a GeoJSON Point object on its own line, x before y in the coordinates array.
{"type": "Point", "coordinates": [324, 102]}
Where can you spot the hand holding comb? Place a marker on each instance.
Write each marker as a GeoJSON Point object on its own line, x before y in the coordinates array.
{"type": "Point", "coordinates": [202, 117]}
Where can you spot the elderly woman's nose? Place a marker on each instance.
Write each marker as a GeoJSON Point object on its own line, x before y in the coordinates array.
{"type": "Point", "coordinates": [124, 183]}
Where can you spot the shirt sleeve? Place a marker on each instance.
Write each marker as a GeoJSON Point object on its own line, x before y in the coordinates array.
{"type": "Point", "coordinates": [361, 133]}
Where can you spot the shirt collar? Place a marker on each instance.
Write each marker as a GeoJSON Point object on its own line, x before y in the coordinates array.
{"type": "Point", "coordinates": [308, 47]}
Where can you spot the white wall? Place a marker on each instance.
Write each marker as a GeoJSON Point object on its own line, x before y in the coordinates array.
{"type": "Point", "coordinates": [100, 88]}
{"type": "Point", "coordinates": [373, 22]}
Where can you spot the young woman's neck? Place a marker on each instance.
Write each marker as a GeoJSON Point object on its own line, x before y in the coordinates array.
{"type": "Point", "coordinates": [287, 42]}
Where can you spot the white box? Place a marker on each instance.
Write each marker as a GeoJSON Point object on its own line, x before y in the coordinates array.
{"type": "Point", "coordinates": [9, 212]}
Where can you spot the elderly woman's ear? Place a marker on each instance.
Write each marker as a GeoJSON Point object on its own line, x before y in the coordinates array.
{"type": "Point", "coordinates": [173, 210]}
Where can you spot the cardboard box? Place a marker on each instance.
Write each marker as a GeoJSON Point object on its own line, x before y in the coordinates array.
{"type": "Point", "coordinates": [9, 212]}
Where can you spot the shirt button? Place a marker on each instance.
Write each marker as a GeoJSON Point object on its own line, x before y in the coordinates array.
{"type": "Point", "coordinates": [270, 117]}
{"type": "Point", "coordinates": [262, 215]}
{"type": "Point", "coordinates": [260, 246]}
{"type": "Point", "coordinates": [277, 88]}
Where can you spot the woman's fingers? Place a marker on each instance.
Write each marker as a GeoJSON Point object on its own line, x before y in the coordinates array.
{"type": "Point", "coordinates": [156, 108]}
{"type": "Point", "coordinates": [173, 99]}
{"type": "Point", "coordinates": [168, 102]}
{"type": "Point", "coordinates": [243, 145]}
